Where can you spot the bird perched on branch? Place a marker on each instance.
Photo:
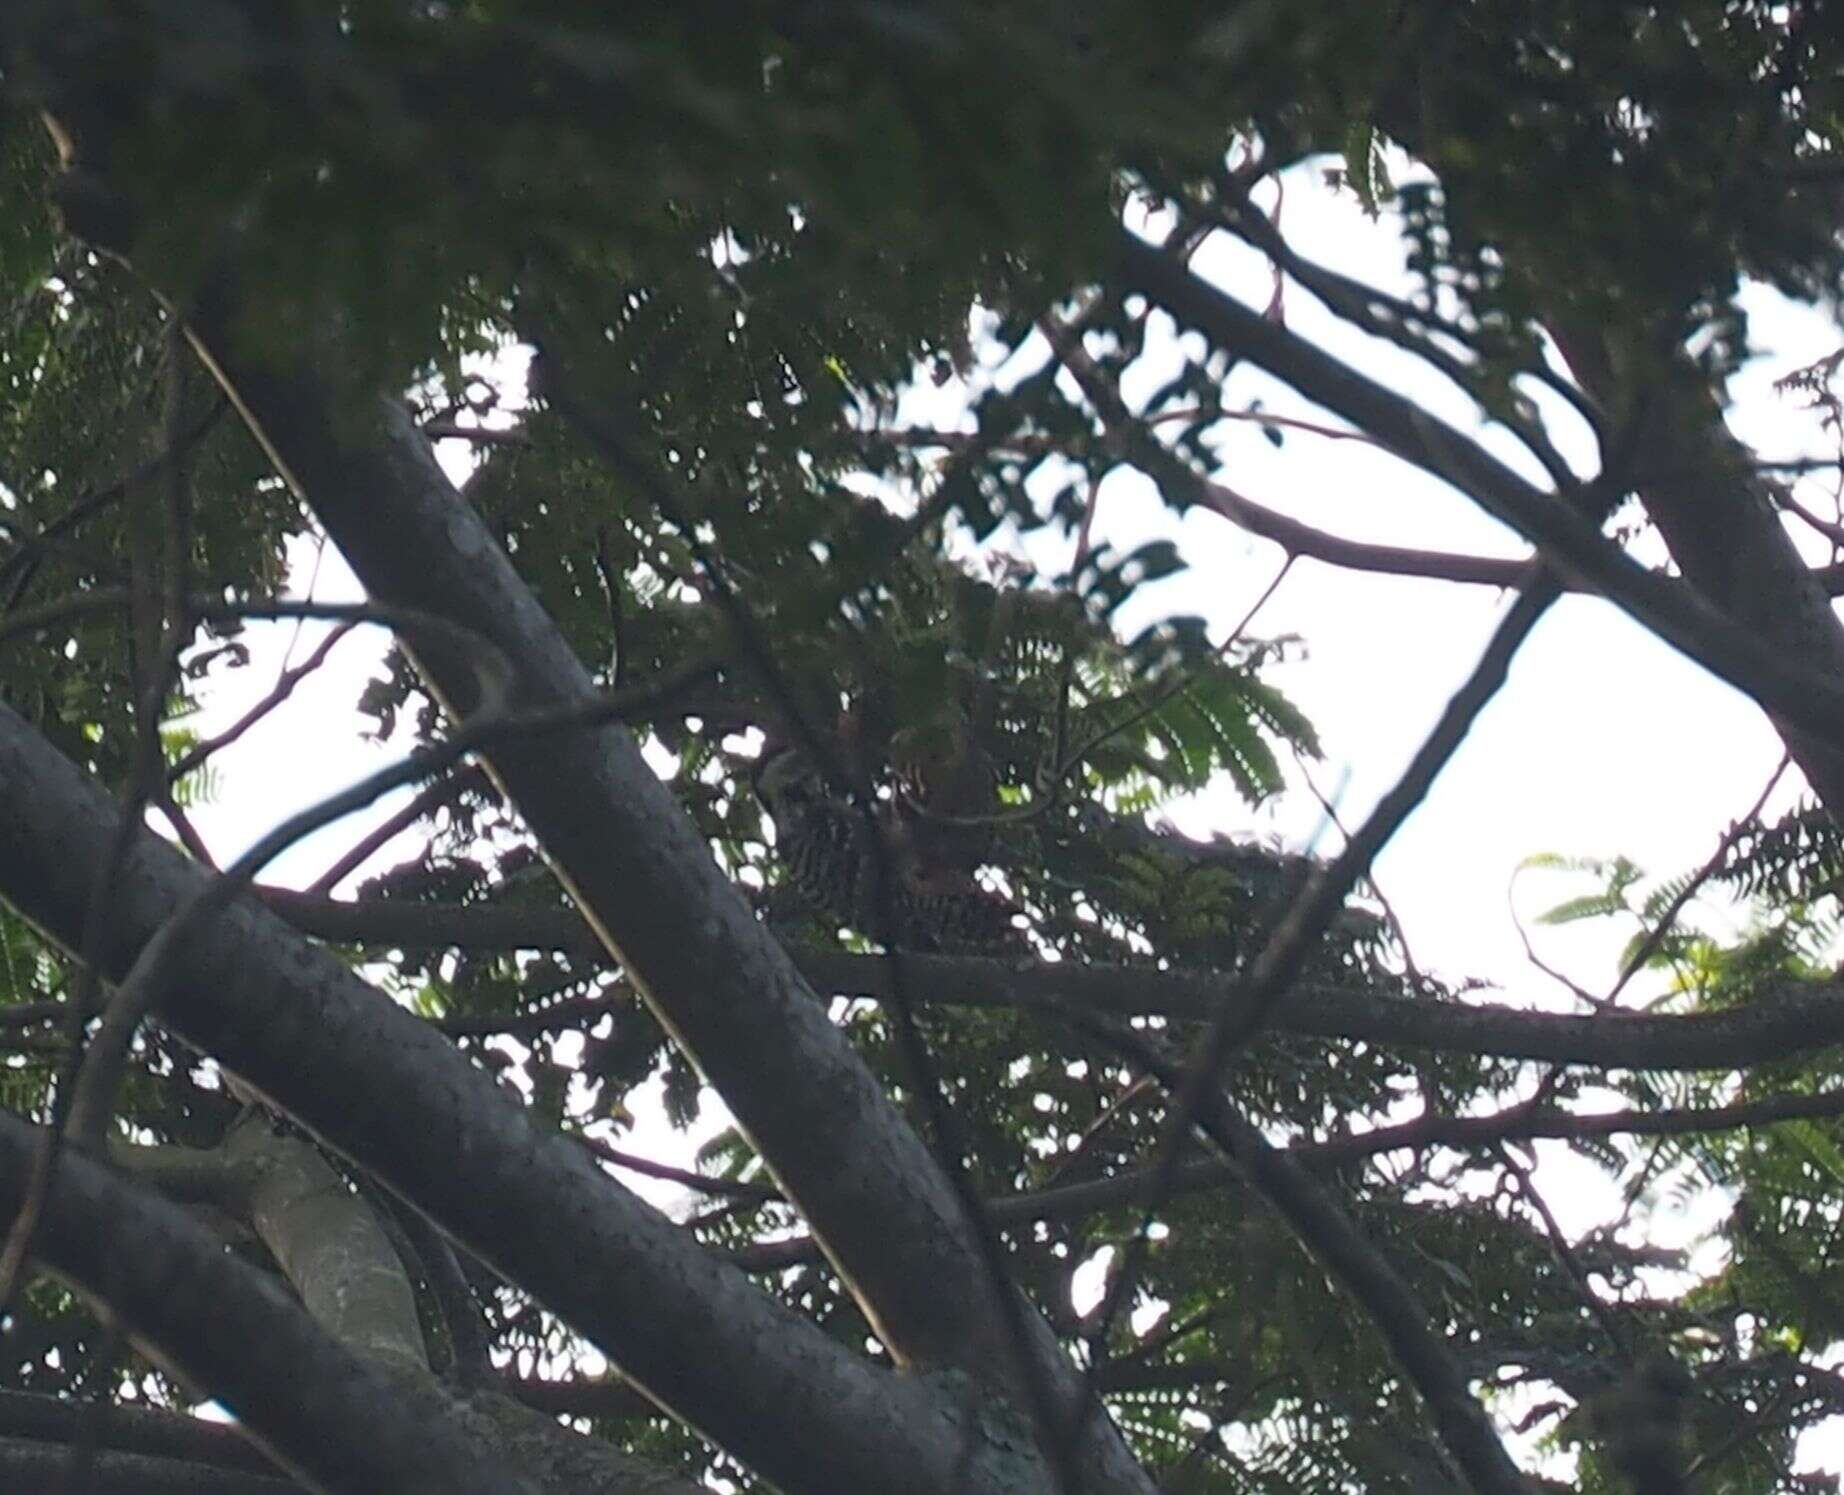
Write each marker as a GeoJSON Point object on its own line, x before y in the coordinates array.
{"type": "Point", "coordinates": [880, 872]}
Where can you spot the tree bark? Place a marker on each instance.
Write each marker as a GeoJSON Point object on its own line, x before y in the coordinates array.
{"type": "Point", "coordinates": [221, 1325]}
{"type": "Point", "coordinates": [32, 1467]}
{"type": "Point", "coordinates": [877, 1199]}
{"type": "Point", "coordinates": [1715, 510]}
{"type": "Point", "coordinates": [335, 1253]}
{"type": "Point", "coordinates": [166, 1435]}
{"type": "Point", "coordinates": [328, 1244]}
{"type": "Point", "coordinates": [374, 1083]}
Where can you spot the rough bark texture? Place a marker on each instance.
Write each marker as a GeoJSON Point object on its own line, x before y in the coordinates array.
{"type": "Point", "coordinates": [328, 1244]}
{"type": "Point", "coordinates": [877, 1200]}
{"type": "Point", "coordinates": [221, 1325]}
{"type": "Point", "coordinates": [383, 1088]}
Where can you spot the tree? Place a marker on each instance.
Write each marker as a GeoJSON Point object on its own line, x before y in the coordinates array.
{"type": "Point", "coordinates": [892, 893]}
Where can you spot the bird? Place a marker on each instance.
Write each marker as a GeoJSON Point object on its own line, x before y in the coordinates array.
{"type": "Point", "coordinates": [872, 871]}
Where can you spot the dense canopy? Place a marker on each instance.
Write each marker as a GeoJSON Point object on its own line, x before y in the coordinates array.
{"type": "Point", "coordinates": [758, 738]}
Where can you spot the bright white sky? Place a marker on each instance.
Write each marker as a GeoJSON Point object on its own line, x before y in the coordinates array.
{"type": "Point", "coordinates": [1604, 740]}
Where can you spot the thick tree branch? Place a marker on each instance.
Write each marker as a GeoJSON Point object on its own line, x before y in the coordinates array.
{"type": "Point", "coordinates": [166, 1435]}
{"type": "Point", "coordinates": [333, 1249]}
{"type": "Point", "coordinates": [33, 1466]}
{"type": "Point", "coordinates": [1717, 515]}
{"type": "Point", "coordinates": [636, 866]}
{"type": "Point", "coordinates": [185, 1175]}
{"type": "Point", "coordinates": [327, 1242]}
{"type": "Point", "coordinates": [376, 1084]}
{"type": "Point", "coordinates": [470, 1346]}
{"type": "Point", "coordinates": [225, 1327]}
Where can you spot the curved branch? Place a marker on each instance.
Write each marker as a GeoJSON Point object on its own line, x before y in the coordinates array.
{"type": "Point", "coordinates": [27, 1465]}
{"type": "Point", "coordinates": [225, 1327]}
{"type": "Point", "coordinates": [167, 1435]}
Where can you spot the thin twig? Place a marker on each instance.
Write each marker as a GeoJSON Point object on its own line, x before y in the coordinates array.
{"type": "Point", "coordinates": [1366, 1273]}
{"type": "Point", "coordinates": [1253, 995]}
{"type": "Point", "coordinates": [162, 800]}
{"type": "Point", "coordinates": [290, 677]}
{"type": "Point", "coordinates": [440, 793]}
{"type": "Point", "coordinates": [1417, 980]}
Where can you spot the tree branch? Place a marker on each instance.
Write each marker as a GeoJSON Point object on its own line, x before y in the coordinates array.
{"type": "Point", "coordinates": [1804, 1018]}
{"type": "Point", "coordinates": [166, 1435]}
{"type": "Point", "coordinates": [648, 883]}
{"type": "Point", "coordinates": [378, 1085]}
{"type": "Point", "coordinates": [327, 1242]}
{"type": "Point", "coordinates": [224, 1327]}
{"type": "Point", "coordinates": [1810, 698]}
{"type": "Point", "coordinates": [443, 791]}
{"type": "Point", "coordinates": [1718, 517]}
{"type": "Point", "coordinates": [1799, 1018]}
{"type": "Point", "coordinates": [107, 1471]}
{"type": "Point", "coordinates": [1134, 1186]}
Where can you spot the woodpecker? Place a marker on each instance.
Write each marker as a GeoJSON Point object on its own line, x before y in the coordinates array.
{"type": "Point", "coordinates": [835, 856]}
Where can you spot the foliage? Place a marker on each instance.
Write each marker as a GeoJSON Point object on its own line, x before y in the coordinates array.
{"type": "Point", "coordinates": [751, 245]}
